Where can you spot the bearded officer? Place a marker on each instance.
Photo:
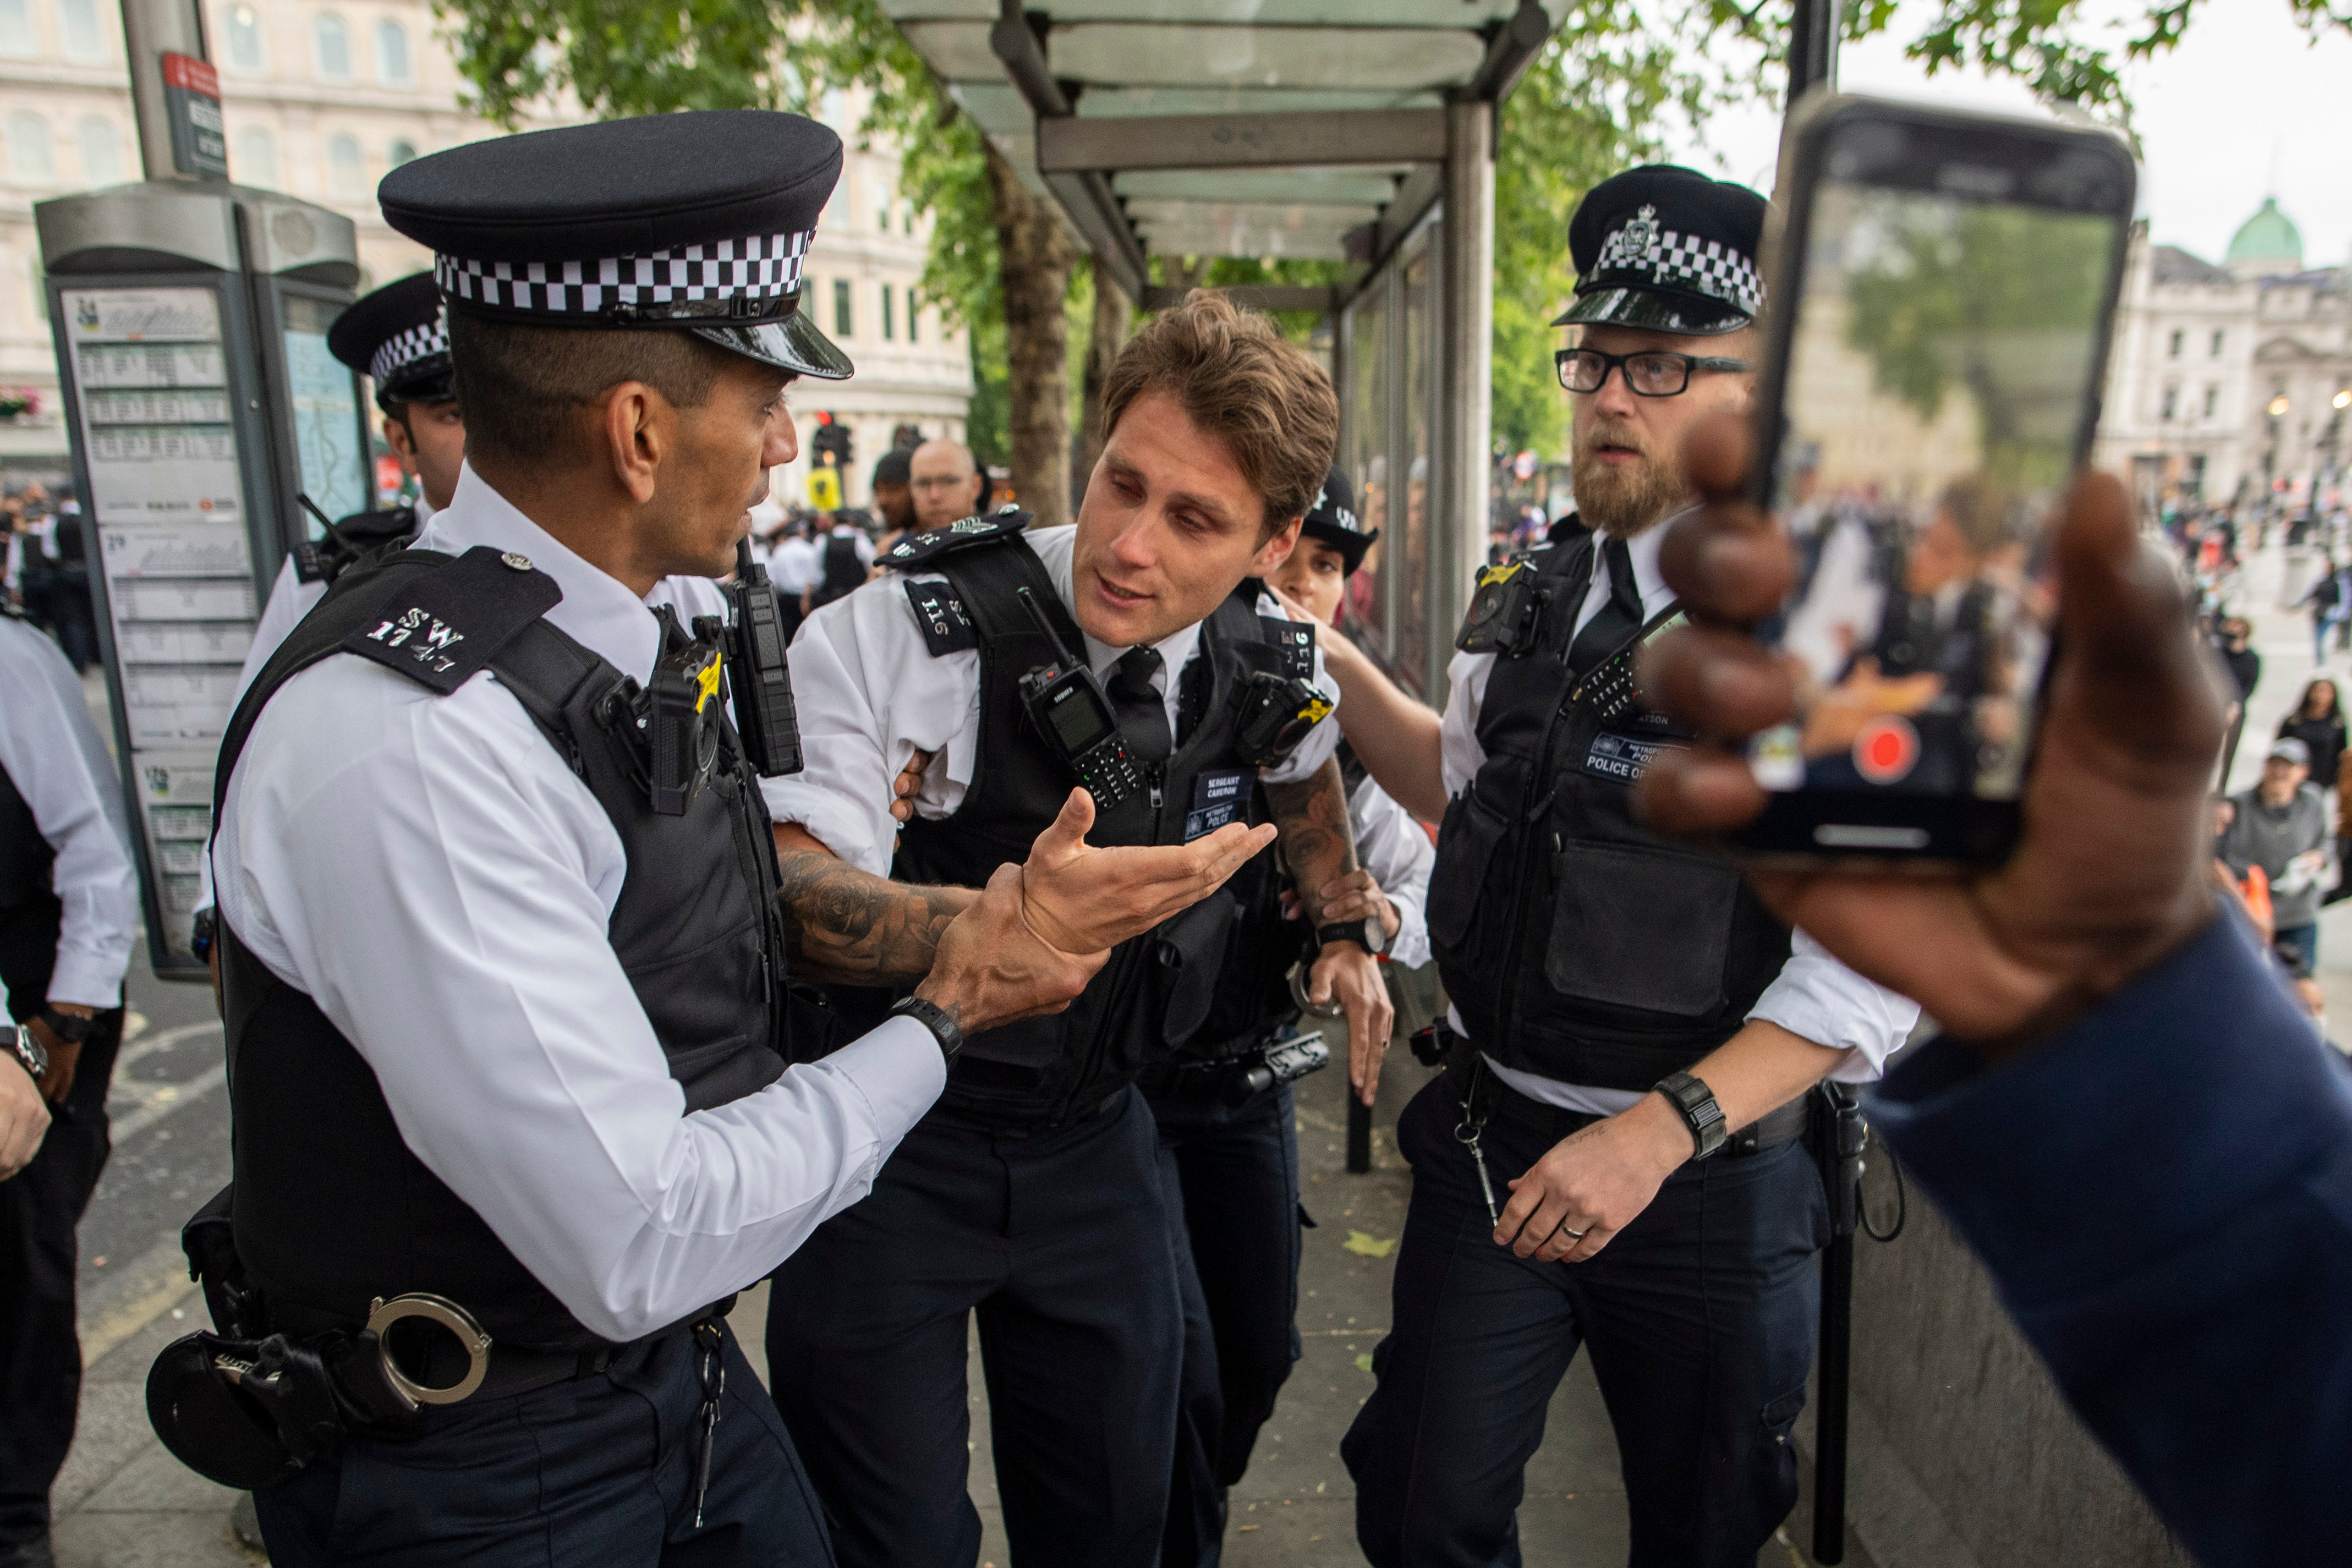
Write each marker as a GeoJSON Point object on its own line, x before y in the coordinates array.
{"type": "Point", "coordinates": [1612, 1157]}
{"type": "Point", "coordinates": [502, 952]}
{"type": "Point", "coordinates": [1031, 1197]}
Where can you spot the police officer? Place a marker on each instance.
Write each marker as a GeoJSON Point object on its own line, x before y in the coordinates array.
{"type": "Point", "coordinates": [1610, 1158]}
{"type": "Point", "coordinates": [68, 914]}
{"type": "Point", "coordinates": [397, 339]}
{"type": "Point", "coordinates": [1228, 1134]}
{"type": "Point", "coordinates": [1031, 1193]}
{"type": "Point", "coordinates": [503, 957]}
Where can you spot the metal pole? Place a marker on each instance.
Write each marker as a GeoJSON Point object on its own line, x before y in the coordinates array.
{"type": "Point", "coordinates": [1813, 47]}
{"type": "Point", "coordinates": [151, 29]}
{"type": "Point", "coordinates": [1466, 365]}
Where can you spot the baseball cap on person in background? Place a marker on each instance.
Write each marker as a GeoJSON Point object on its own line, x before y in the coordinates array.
{"type": "Point", "coordinates": [2287, 749]}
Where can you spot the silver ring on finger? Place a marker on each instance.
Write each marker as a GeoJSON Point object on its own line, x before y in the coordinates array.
{"type": "Point", "coordinates": [1562, 1226]}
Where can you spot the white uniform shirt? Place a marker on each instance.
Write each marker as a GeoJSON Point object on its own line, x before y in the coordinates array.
{"type": "Point", "coordinates": [1395, 848]}
{"type": "Point", "coordinates": [53, 754]}
{"type": "Point", "coordinates": [1814, 997]}
{"type": "Point", "coordinates": [431, 873]}
{"type": "Point", "coordinates": [792, 565]}
{"type": "Point", "coordinates": [870, 695]}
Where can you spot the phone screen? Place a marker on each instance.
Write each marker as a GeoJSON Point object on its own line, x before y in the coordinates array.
{"type": "Point", "coordinates": [1939, 394]}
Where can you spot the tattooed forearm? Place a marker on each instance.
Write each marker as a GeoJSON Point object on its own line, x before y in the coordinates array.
{"type": "Point", "coordinates": [853, 928]}
{"type": "Point", "coordinates": [1318, 843]}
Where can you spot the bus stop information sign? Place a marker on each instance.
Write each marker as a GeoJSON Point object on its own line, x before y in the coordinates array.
{"type": "Point", "coordinates": [192, 101]}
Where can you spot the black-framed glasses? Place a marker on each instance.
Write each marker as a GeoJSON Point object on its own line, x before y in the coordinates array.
{"type": "Point", "coordinates": [1649, 373]}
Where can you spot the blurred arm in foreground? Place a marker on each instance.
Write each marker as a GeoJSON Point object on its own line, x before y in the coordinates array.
{"type": "Point", "coordinates": [2130, 1120]}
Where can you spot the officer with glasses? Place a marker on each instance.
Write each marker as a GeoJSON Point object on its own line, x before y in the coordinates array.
{"type": "Point", "coordinates": [1611, 1157]}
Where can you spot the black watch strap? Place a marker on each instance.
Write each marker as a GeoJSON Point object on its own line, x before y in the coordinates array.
{"type": "Point", "coordinates": [943, 1028]}
{"type": "Point", "coordinates": [1347, 931]}
{"type": "Point", "coordinates": [66, 1026]}
{"type": "Point", "coordinates": [1700, 1113]}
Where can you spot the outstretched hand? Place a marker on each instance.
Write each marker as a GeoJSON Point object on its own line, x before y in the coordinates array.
{"type": "Point", "coordinates": [2109, 873]}
{"type": "Point", "coordinates": [1085, 899]}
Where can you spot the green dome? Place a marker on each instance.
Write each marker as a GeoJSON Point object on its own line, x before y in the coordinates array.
{"type": "Point", "coordinates": [2268, 237]}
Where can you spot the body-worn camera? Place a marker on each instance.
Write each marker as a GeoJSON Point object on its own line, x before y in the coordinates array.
{"type": "Point", "coordinates": [1066, 703]}
{"type": "Point", "coordinates": [673, 721]}
{"type": "Point", "coordinates": [1503, 607]}
{"type": "Point", "coordinates": [1276, 712]}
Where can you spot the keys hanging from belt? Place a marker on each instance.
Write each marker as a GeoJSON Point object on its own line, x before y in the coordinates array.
{"type": "Point", "coordinates": [1472, 1124]}
{"type": "Point", "coordinates": [708, 1343]}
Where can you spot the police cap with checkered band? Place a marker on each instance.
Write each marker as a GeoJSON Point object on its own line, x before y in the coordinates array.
{"type": "Point", "coordinates": [1332, 519]}
{"type": "Point", "coordinates": [694, 221]}
{"type": "Point", "coordinates": [396, 338]}
{"type": "Point", "coordinates": [1666, 248]}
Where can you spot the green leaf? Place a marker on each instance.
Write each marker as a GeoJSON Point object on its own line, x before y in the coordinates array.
{"type": "Point", "coordinates": [1364, 1362]}
{"type": "Point", "coordinates": [1364, 1244]}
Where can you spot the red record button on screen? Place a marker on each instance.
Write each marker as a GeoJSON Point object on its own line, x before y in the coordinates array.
{"type": "Point", "coordinates": [1886, 749]}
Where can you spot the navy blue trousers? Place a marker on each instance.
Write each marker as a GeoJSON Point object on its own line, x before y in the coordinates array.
{"type": "Point", "coordinates": [1233, 1176]}
{"type": "Point", "coordinates": [594, 1472]}
{"type": "Point", "coordinates": [1061, 1243]}
{"type": "Point", "coordinates": [1700, 1315]}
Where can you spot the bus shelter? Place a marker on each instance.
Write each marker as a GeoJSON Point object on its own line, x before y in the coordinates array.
{"type": "Point", "coordinates": [1360, 131]}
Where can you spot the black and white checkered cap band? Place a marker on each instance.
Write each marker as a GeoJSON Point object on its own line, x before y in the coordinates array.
{"type": "Point", "coordinates": [1683, 261]}
{"type": "Point", "coordinates": [764, 266]}
{"type": "Point", "coordinates": [404, 349]}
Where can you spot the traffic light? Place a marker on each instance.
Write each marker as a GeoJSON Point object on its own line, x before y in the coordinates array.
{"type": "Point", "coordinates": [831, 447]}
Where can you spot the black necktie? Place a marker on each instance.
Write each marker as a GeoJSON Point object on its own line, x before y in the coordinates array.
{"type": "Point", "coordinates": [1142, 712]}
{"type": "Point", "coordinates": [1618, 619]}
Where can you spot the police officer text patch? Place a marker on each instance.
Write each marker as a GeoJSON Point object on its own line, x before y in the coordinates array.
{"type": "Point", "coordinates": [1623, 758]}
{"type": "Point", "coordinates": [1295, 642]}
{"type": "Point", "coordinates": [453, 619]}
{"type": "Point", "coordinates": [1218, 797]}
{"type": "Point", "coordinates": [945, 627]}
{"type": "Point", "coordinates": [910, 552]}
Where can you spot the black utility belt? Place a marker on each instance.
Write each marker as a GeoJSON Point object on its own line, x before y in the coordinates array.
{"type": "Point", "coordinates": [1467, 1070]}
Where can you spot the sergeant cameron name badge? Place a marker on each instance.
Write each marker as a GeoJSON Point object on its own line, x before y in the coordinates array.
{"type": "Point", "coordinates": [1217, 798]}
{"type": "Point", "coordinates": [1623, 758]}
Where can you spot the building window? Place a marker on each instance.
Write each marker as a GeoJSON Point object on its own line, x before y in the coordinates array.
{"type": "Point", "coordinates": [2215, 352]}
{"type": "Point", "coordinates": [17, 35]}
{"type": "Point", "coordinates": [890, 320]}
{"type": "Point", "coordinates": [402, 150]}
{"type": "Point", "coordinates": [2174, 351]}
{"type": "Point", "coordinates": [244, 39]}
{"type": "Point", "coordinates": [2171, 401]}
{"type": "Point", "coordinates": [83, 38]}
{"type": "Point", "coordinates": [843, 323]}
{"type": "Point", "coordinates": [255, 159]}
{"type": "Point", "coordinates": [101, 146]}
{"type": "Point", "coordinates": [391, 53]}
{"type": "Point", "coordinates": [28, 149]}
{"type": "Point", "coordinates": [332, 43]}
{"type": "Point", "coordinates": [912, 307]}
{"type": "Point", "coordinates": [2212, 400]}
{"type": "Point", "coordinates": [882, 209]}
{"type": "Point", "coordinates": [346, 170]}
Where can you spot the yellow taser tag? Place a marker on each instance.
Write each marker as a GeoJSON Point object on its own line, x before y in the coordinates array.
{"type": "Point", "coordinates": [707, 682]}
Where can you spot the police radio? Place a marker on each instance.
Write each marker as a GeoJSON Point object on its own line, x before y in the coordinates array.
{"type": "Point", "coordinates": [1067, 705]}
{"type": "Point", "coordinates": [1503, 606]}
{"type": "Point", "coordinates": [760, 674]}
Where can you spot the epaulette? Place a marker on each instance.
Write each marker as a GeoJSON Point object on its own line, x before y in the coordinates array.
{"type": "Point", "coordinates": [947, 626]}
{"type": "Point", "coordinates": [450, 621]}
{"type": "Point", "coordinates": [1295, 640]}
{"type": "Point", "coordinates": [911, 553]}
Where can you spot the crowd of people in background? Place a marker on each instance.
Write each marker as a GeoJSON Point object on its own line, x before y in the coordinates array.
{"type": "Point", "coordinates": [46, 570]}
{"type": "Point", "coordinates": [814, 557]}
{"type": "Point", "coordinates": [2281, 845]}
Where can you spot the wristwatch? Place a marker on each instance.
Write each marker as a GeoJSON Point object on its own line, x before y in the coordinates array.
{"type": "Point", "coordinates": [943, 1028]}
{"type": "Point", "coordinates": [66, 1026]}
{"type": "Point", "coordinates": [1357, 931]}
{"type": "Point", "coordinates": [1695, 1102]}
{"type": "Point", "coordinates": [28, 1052]}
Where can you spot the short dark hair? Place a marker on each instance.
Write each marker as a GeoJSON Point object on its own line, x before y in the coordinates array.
{"type": "Point", "coordinates": [1240, 380]}
{"type": "Point", "coordinates": [521, 386]}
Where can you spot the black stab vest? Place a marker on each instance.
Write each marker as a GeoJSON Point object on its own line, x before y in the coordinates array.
{"type": "Point", "coordinates": [332, 1209]}
{"type": "Point", "coordinates": [1157, 989]}
{"type": "Point", "coordinates": [1577, 943]}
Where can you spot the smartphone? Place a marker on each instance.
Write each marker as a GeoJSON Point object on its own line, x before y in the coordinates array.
{"type": "Point", "coordinates": [1941, 287]}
